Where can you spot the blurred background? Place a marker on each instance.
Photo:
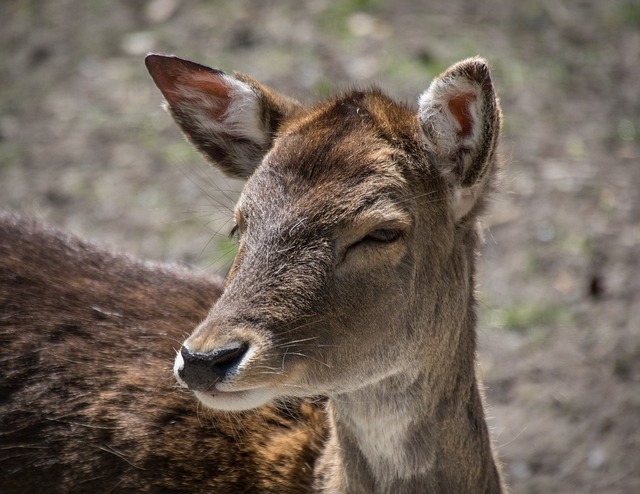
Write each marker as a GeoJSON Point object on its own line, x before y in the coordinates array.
{"type": "Point", "coordinates": [85, 145]}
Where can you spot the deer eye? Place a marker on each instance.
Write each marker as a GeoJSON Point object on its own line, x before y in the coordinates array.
{"type": "Point", "coordinates": [377, 239]}
{"type": "Point", "coordinates": [383, 236]}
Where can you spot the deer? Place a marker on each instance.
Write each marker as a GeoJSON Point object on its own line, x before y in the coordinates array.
{"type": "Point", "coordinates": [338, 355]}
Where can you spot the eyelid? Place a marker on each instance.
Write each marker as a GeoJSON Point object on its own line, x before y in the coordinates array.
{"type": "Point", "coordinates": [383, 235]}
{"type": "Point", "coordinates": [385, 216]}
{"type": "Point", "coordinates": [396, 232]}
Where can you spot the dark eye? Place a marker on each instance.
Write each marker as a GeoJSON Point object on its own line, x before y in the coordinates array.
{"type": "Point", "coordinates": [383, 236]}
{"type": "Point", "coordinates": [234, 233]}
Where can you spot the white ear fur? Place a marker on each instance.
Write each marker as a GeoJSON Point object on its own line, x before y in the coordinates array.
{"type": "Point", "coordinates": [444, 132]}
{"type": "Point", "coordinates": [239, 110]}
{"type": "Point", "coordinates": [460, 120]}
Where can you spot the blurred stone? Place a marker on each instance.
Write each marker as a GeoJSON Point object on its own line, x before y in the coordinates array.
{"type": "Point", "coordinates": [607, 199]}
{"type": "Point", "coordinates": [520, 470]}
{"type": "Point", "coordinates": [627, 130]}
{"type": "Point", "coordinates": [596, 458]}
{"type": "Point", "coordinates": [565, 283]}
{"type": "Point", "coordinates": [574, 146]}
{"type": "Point", "coordinates": [364, 25]}
{"type": "Point", "coordinates": [361, 24]}
{"type": "Point", "coordinates": [158, 11]}
{"type": "Point", "coordinates": [138, 43]}
{"type": "Point", "coordinates": [545, 232]}
{"type": "Point", "coordinates": [362, 68]}
{"type": "Point", "coordinates": [9, 127]}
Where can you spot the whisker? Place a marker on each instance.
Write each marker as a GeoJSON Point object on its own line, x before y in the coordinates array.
{"type": "Point", "coordinates": [309, 357]}
{"type": "Point", "coordinates": [290, 343]}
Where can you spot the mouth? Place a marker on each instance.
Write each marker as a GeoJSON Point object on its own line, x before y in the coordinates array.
{"type": "Point", "coordinates": [235, 401]}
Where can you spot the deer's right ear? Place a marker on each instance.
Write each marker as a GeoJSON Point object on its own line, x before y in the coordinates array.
{"type": "Point", "coordinates": [460, 119]}
{"type": "Point", "coordinates": [231, 119]}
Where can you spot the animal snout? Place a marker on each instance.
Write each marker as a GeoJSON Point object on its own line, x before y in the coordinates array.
{"type": "Point", "coordinates": [200, 371]}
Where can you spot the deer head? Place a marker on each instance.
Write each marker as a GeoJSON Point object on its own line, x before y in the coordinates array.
{"type": "Point", "coordinates": [356, 231]}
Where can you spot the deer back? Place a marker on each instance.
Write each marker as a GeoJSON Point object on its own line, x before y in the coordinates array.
{"type": "Point", "coordinates": [87, 400]}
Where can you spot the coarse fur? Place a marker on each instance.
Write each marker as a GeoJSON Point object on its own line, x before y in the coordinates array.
{"type": "Point", "coordinates": [87, 401]}
{"type": "Point", "coordinates": [354, 279]}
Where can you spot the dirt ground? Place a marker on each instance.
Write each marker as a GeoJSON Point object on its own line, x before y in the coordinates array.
{"type": "Point", "coordinates": [85, 145]}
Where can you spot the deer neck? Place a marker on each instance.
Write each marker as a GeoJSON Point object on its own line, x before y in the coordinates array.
{"type": "Point", "coordinates": [421, 430]}
{"type": "Point", "coordinates": [398, 438]}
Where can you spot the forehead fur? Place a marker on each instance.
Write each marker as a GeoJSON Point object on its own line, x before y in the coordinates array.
{"type": "Point", "coordinates": [351, 137]}
{"type": "Point", "coordinates": [354, 148]}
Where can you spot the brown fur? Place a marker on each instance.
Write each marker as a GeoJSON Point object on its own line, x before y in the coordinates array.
{"type": "Point", "coordinates": [354, 279]}
{"type": "Point", "coordinates": [87, 401]}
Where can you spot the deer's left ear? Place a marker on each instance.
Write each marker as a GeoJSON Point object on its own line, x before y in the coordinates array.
{"type": "Point", "coordinates": [460, 120]}
{"type": "Point", "coordinates": [230, 118]}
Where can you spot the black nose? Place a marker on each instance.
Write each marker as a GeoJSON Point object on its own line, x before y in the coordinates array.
{"type": "Point", "coordinates": [201, 371]}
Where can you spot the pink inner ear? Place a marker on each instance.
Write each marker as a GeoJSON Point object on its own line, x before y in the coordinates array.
{"type": "Point", "coordinates": [210, 86]}
{"type": "Point", "coordinates": [459, 108]}
{"type": "Point", "coordinates": [182, 81]}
